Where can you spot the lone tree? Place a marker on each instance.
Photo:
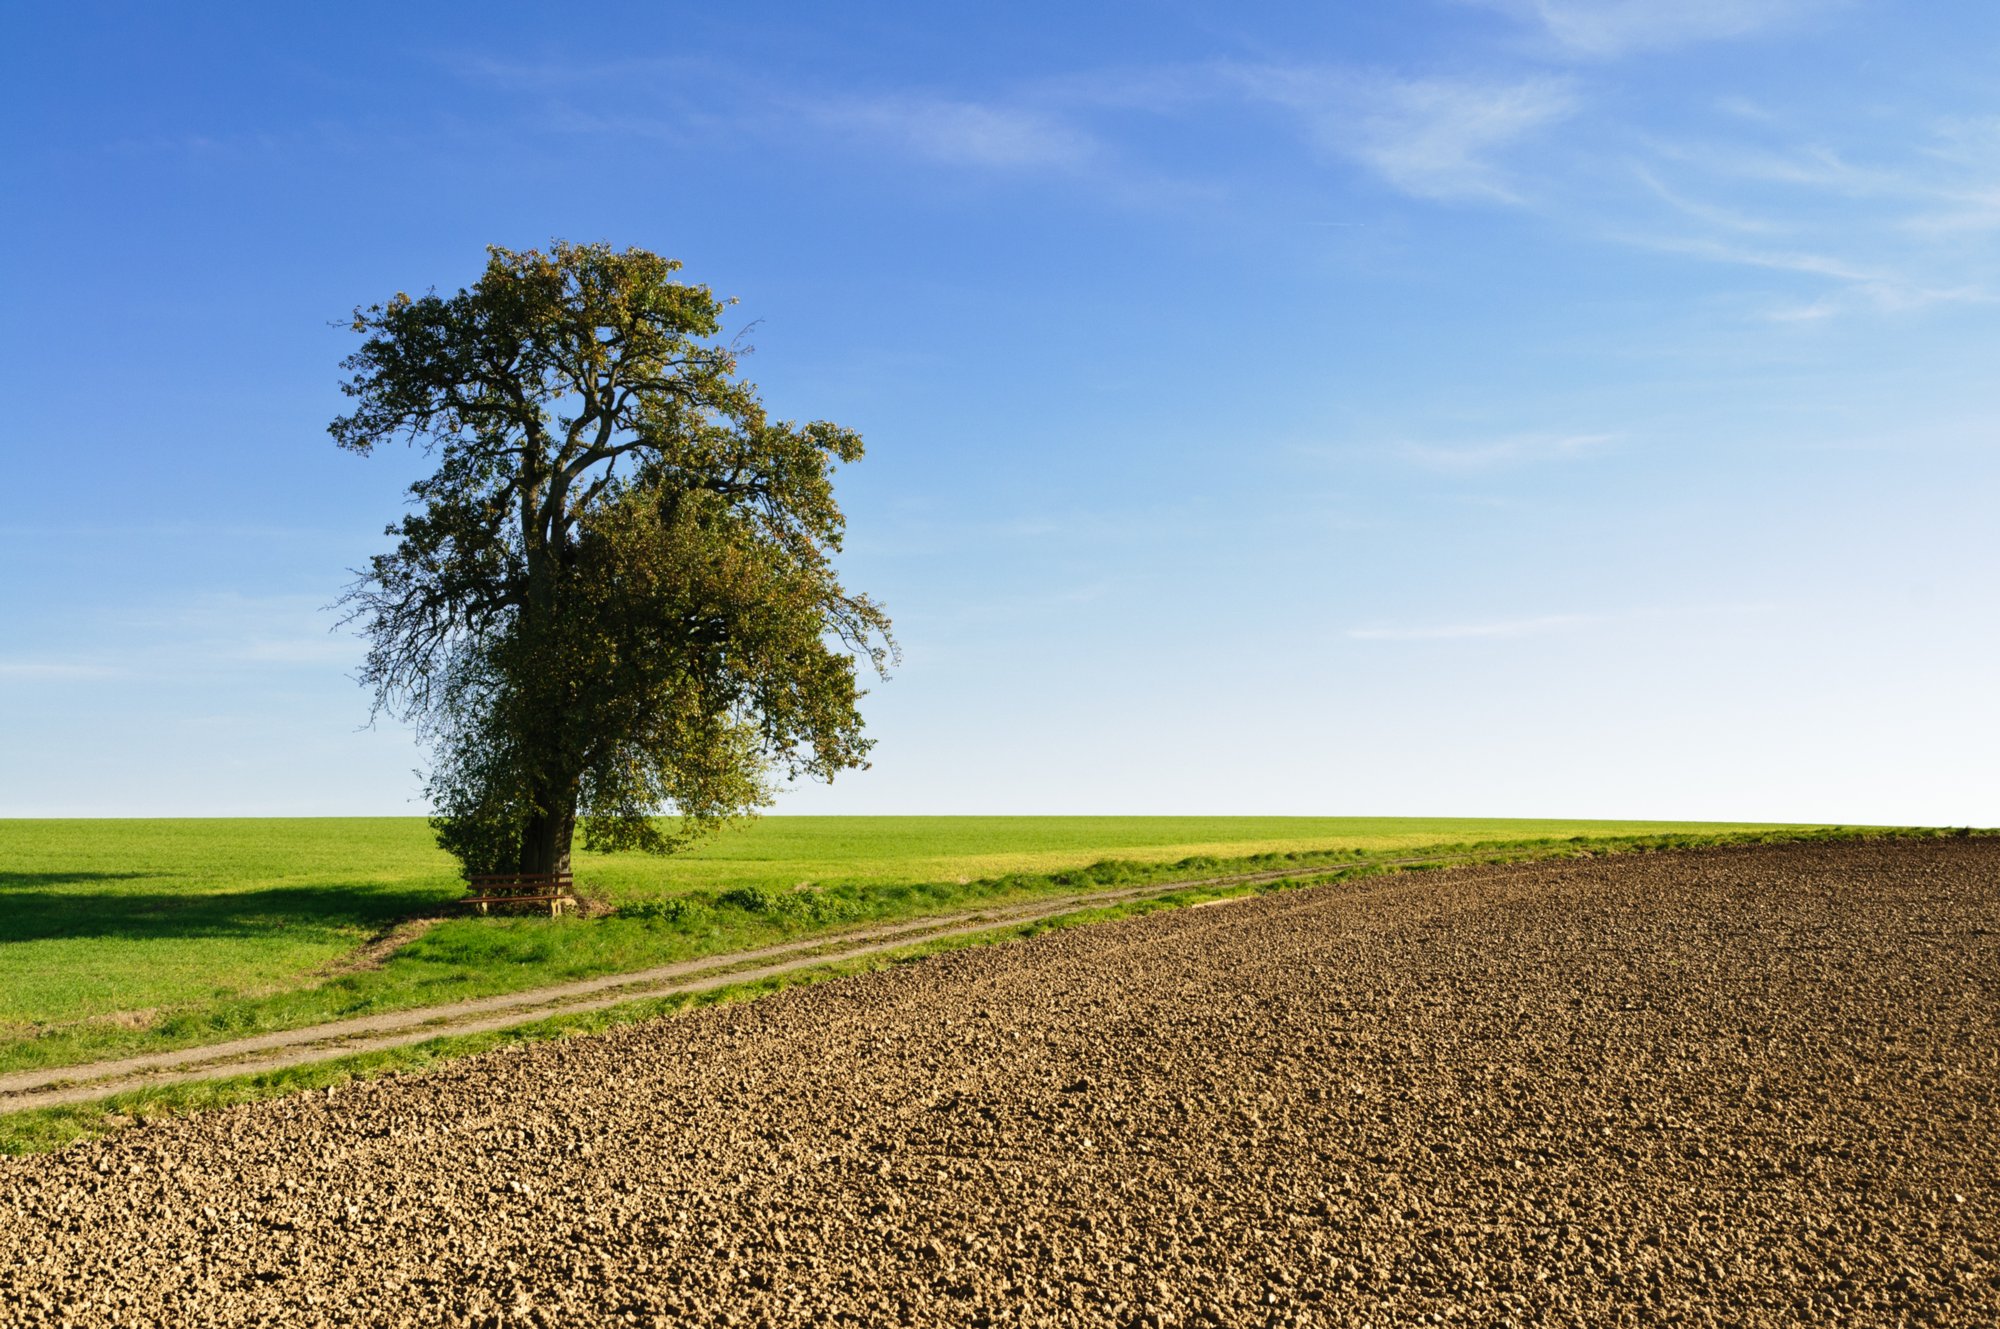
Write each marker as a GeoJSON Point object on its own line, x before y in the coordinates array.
{"type": "Point", "coordinates": [614, 595]}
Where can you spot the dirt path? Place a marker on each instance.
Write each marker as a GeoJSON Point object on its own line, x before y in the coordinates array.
{"type": "Point", "coordinates": [1751, 1087]}
{"type": "Point", "coordinates": [57, 1085]}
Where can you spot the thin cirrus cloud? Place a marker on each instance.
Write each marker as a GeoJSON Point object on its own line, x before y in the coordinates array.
{"type": "Point", "coordinates": [1428, 136]}
{"type": "Point", "coordinates": [1871, 222]}
{"type": "Point", "coordinates": [195, 636]}
{"type": "Point", "coordinates": [1501, 453]}
{"type": "Point", "coordinates": [249, 630]}
{"type": "Point", "coordinates": [1800, 261]}
{"type": "Point", "coordinates": [1881, 238]}
{"type": "Point", "coordinates": [1608, 29]}
{"type": "Point", "coordinates": [1786, 208]}
{"type": "Point", "coordinates": [1708, 214]}
{"type": "Point", "coordinates": [1437, 139]}
{"type": "Point", "coordinates": [963, 133]}
{"type": "Point", "coordinates": [1509, 627]}
{"type": "Point", "coordinates": [55, 671]}
{"type": "Point", "coordinates": [656, 99]}
{"type": "Point", "coordinates": [1538, 624]}
{"type": "Point", "coordinates": [1431, 137]}
{"type": "Point", "coordinates": [1929, 177]}
{"type": "Point", "coordinates": [1812, 166]}
{"type": "Point", "coordinates": [1969, 202]}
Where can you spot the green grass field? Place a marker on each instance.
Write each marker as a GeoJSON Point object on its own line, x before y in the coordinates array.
{"type": "Point", "coordinates": [123, 936]}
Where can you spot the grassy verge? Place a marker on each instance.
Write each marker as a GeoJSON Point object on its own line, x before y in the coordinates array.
{"type": "Point", "coordinates": [42, 1130]}
{"type": "Point", "coordinates": [46, 1129]}
{"type": "Point", "coordinates": [100, 968]}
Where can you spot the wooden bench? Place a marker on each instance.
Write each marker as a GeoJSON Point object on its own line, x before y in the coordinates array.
{"type": "Point", "coordinates": [557, 890]}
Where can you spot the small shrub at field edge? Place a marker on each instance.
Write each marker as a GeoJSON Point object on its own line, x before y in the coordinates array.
{"type": "Point", "coordinates": [675, 912]}
{"type": "Point", "coordinates": [803, 904]}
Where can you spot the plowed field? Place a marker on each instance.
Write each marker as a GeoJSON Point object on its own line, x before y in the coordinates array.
{"type": "Point", "coordinates": [1724, 1087]}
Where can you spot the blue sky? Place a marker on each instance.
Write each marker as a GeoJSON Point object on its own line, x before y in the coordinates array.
{"type": "Point", "coordinates": [1480, 407]}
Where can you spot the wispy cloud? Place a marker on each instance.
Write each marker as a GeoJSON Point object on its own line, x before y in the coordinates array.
{"type": "Point", "coordinates": [1537, 624]}
{"type": "Point", "coordinates": [1777, 260]}
{"type": "Point", "coordinates": [317, 648]}
{"type": "Point", "coordinates": [1966, 213]}
{"type": "Point", "coordinates": [1879, 236]}
{"type": "Point", "coordinates": [564, 75]}
{"type": "Point", "coordinates": [1437, 138]}
{"type": "Point", "coordinates": [1746, 108]}
{"type": "Point", "coordinates": [1607, 29]}
{"type": "Point", "coordinates": [962, 133]}
{"type": "Point", "coordinates": [256, 630]}
{"type": "Point", "coordinates": [1508, 627]}
{"type": "Point", "coordinates": [1711, 214]}
{"type": "Point", "coordinates": [1054, 599]}
{"type": "Point", "coordinates": [1880, 218]}
{"type": "Point", "coordinates": [1811, 311]}
{"type": "Point", "coordinates": [661, 100]}
{"type": "Point", "coordinates": [194, 636]}
{"type": "Point", "coordinates": [1430, 137]}
{"type": "Point", "coordinates": [1813, 166]}
{"type": "Point", "coordinates": [1969, 149]}
{"type": "Point", "coordinates": [1500, 453]}
{"type": "Point", "coordinates": [56, 670]}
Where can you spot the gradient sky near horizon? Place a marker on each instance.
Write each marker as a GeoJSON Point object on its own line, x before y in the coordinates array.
{"type": "Point", "coordinates": [1461, 407]}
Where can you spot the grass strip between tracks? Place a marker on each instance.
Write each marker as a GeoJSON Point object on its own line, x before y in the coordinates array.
{"type": "Point", "coordinates": [39, 1130]}
{"type": "Point", "coordinates": [52, 1085]}
{"type": "Point", "coordinates": [43, 1129]}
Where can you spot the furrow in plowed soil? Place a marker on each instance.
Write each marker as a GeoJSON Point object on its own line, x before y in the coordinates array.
{"type": "Point", "coordinates": [53, 1086]}
{"type": "Point", "coordinates": [1721, 1088]}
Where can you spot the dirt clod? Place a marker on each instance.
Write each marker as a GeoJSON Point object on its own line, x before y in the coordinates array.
{"type": "Point", "coordinates": [1718, 1088]}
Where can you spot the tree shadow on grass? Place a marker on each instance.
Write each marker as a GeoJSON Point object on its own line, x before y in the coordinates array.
{"type": "Point", "coordinates": [34, 914]}
{"type": "Point", "coordinates": [12, 881]}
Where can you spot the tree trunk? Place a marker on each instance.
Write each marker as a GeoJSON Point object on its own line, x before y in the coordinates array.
{"type": "Point", "coordinates": [545, 840]}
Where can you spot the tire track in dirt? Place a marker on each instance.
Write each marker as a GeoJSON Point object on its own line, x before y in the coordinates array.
{"type": "Point", "coordinates": [55, 1086]}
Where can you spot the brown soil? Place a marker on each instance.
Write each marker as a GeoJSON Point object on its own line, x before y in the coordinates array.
{"type": "Point", "coordinates": [380, 948]}
{"type": "Point", "coordinates": [1725, 1088]}
{"type": "Point", "coordinates": [55, 1086]}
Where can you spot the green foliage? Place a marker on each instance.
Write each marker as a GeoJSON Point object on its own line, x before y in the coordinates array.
{"type": "Point", "coordinates": [801, 905]}
{"type": "Point", "coordinates": [670, 913]}
{"type": "Point", "coordinates": [44, 1130]}
{"type": "Point", "coordinates": [130, 936]}
{"type": "Point", "coordinates": [616, 593]}
{"type": "Point", "coordinates": [696, 925]}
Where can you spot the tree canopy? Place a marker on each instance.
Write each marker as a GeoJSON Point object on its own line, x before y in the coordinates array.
{"type": "Point", "coordinates": [614, 595]}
